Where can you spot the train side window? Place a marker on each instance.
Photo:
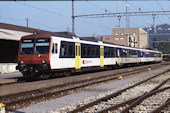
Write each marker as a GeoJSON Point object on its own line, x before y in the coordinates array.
{"type": "Point", "coordinates": [155, 54]}
{"type": "Point", "coordinates": [93, 51]}
{"type": "Point", "coordinates": [64, 50]}
{"type": "Point", "coordinates": [97, 51]}
{"type": "Point", "coordinates": [105, 52]}
{"type": "Point", "coordinates": [118, 53]}
{"type": "Point", "coordinates": [88, 51]}
{"type": "Point", "coordinates": [112, 53]}
{"type": "Point", "coordinates": [84, 51]}
{"type": "Point", "coordinates": [55, 48]}
{"type": "Point", "coordinates": [71, 50]}
{"type": "Point", "coordinates": [108, 50]}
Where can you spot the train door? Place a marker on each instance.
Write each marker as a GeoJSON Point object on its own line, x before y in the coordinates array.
{"type": "Point", "coordinates": [78, 55]}
{"type": "Point", "coordinates": [101, 56]}
{"type": "Point", "coordinates": [119, 57]}
{"type": "Point", "coordinates": [54, 54]}
{"type": "Point", "coordinates": [157, 57]}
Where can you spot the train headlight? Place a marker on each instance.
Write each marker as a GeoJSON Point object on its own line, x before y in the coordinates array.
{"type": "Point", "coordinates": [21, 62]}
{"type": "Point", "coordinates": [43, 62]}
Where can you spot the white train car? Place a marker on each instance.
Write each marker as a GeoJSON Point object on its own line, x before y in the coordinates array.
{"type": "Point", "coordinates": [42, 55]}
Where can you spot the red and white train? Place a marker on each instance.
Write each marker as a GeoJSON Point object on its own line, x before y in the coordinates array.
{"type": "Point", "coordinates": [46, 55]}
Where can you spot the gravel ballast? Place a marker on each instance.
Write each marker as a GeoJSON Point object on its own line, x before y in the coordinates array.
{"type": "Point", "coordinates": [72, 101]}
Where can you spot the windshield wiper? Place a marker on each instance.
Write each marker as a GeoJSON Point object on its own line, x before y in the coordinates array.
{"type": "Point", "coordinates": [39, 54]}
{"type": "Point", "coordinates": [23, 52]}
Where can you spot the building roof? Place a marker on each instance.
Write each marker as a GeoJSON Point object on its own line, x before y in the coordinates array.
{"type": "Point", "coordinates": [15, 32]}
{"type": "Point", "coordinates": [19, 28]}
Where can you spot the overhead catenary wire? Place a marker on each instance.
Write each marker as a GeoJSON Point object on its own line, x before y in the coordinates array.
{"type": "Point", "coordinates": [110, 11]}
{"type": "Point", "coordinates": [162, 8]}
{"type": "Point", "coordinates": [106, 10]}
{"type": "Point", "coordinates": [135, 7]}
{"type": "Point", "coordinates": [83, 21]}
{"type": "Point", "coordinates": [31, 21]}
{"type": "Point", "coordinates": [51, 12]}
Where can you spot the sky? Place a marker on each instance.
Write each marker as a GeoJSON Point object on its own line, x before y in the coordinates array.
{"type": "Point", "coordinates": [56, 15]}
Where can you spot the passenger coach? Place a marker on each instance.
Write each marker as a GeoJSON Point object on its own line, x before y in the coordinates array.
{"type": "Point", "coordinates": [44, 56]}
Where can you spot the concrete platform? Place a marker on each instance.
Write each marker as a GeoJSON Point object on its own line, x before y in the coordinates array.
{"type": "Point", "coordinates": [5, 81]}
{"type": "Point", "coordinates": [7, 67]}
{"type": "Point", "coordinates": [10, 77]}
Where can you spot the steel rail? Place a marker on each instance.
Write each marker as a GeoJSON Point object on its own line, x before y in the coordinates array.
{"type": "Point", "coordinates": [100, 79]}
{"type": "Point", "coordinates": [73, 85]}
{"type": "Point", "coordinates": [111, 108]}
{"type": "Point", "coordinates": [138, 101]}
{"type": "Point", "coordinates": [79, 109]}
{"type": "Point", "coordinates": [157, 110]}
{"type": "Point", "coordinates": [49, 95]}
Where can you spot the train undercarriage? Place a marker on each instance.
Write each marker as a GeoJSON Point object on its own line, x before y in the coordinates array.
{"type": "Point", "coordinates": [43, 71]}
{"type": "Point", "coordinates": [34, 72]}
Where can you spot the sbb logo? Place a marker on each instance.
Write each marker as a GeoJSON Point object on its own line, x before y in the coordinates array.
{"type": "Point", "coordinates": [84, 62]}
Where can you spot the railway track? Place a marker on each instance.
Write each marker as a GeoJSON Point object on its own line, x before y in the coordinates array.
{"type": "Point", "coordinates": [135, 101]}
{"type": "Point", "coordinates": [120, 102]}
{"type": "Point", "coordinates": [165, 106]}
{"type": "Point", "coordinates": [16, 101]}
{"type": "Point", "coordinates": [19, 80]}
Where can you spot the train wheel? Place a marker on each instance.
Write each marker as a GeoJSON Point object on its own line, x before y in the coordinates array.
{"type": "Point", "coordinates": [67, 73]}
{"type": "Point", "coordinates": [44, 76]}
{"type": "Point", "coordinates": [30, 76]}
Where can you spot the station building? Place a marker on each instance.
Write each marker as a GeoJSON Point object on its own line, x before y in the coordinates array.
{"type": "Point", "coordinates": [137, 37]}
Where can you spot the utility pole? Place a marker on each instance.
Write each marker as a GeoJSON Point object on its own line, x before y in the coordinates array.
{"type": "Point", "coordinates": [127, 25]}
{"type": "Point", "coordinates": [154, 27]}
{"type": "Point", "coordinates": [27, 19]}
{"type": "Point", "coordinates": [117, 9]}
{"type": "Point", "coordinates": [119, 17]}
{"type": "Point", "coordinates": [73, 16]}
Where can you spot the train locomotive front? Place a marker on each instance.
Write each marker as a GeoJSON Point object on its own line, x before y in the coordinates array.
{"type": "Point", "coordinates": [34, 56]}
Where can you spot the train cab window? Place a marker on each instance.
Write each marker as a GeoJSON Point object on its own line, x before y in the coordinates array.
{"type": "Point", "coordinates": [27, 46]}
{"type": "Point", "coordinates": [88, 51]}
{"type": "Point", "coordinates": [71, 53]}
{"type": "Point", "coordinates": [64, 50]}
{"type": "Point", "coordinates": [55, 48]}
{"type": "Point", "coordinates": [42, 46]}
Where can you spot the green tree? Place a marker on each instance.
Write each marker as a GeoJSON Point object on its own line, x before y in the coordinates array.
{"type": "Point", "coordinates": [164, 47]}
{"type": "Point", "coordinates": [154, 44]}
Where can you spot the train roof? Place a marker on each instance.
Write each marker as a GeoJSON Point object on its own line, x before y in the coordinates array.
{"type": "Point", "coordinates": [92, 39]}
{"type": "Point", "coordinates": [70, 35]}
{"type": "Point", "coordinates": [58, 34]}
